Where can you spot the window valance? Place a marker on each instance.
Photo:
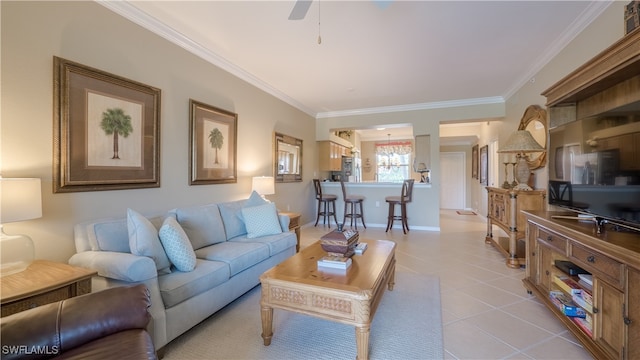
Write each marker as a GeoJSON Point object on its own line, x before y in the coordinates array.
{"type": "Point", "coordinates": [394, 147]}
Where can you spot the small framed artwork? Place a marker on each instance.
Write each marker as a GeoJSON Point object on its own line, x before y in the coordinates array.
{"type": "Point", "coordinates": [106, 130]}
{"type": "Point", "coordinates": [474, 162]}
{"type": "Point", "coordinates": [484, 165]}
{"type": "Point", "coordinates": [213, 144]}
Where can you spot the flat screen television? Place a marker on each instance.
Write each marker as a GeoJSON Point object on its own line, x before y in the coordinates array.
{"type": "Point", "coordinates": [594, 167]}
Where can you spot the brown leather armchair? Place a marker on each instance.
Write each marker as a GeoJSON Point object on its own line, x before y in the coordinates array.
{"type": "Point", "coordinates": [109, 324]}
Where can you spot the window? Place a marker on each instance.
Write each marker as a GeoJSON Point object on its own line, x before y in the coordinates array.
{"type": "Point", "coordinates": [393, 168]}
{"type": "Point", "coordinates": [393, 160]}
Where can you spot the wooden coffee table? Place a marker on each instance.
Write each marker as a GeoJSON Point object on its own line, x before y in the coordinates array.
{"type": "Point", "coordinates": [347, 296]}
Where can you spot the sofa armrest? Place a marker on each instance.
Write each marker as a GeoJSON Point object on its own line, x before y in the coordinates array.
{"type": "Point", "coordinates": [116, 265]}
{"type": "Point", "coordinates": [58, 327]}
{"type": "Point", "coordinates": [284, 222]}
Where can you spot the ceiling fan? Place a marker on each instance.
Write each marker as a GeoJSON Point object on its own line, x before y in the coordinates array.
{"type": "Point", "coordinates": [301, 8]}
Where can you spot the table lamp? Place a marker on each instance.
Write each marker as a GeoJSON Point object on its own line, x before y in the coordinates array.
{"type": "Point", "coordinates": [263, 185]}
{"type": "Point", "coordinates": [422, 169]}
{"type": "Point", "coordinates": [20, 200]}
{"type": "Point", "coordinates": [520, 143]}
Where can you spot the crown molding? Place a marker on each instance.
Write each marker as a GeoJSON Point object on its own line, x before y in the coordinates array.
{"type": "Point", "coordinates": [414, 107]}
{"type": "Point", "coordinates": [595, 9]}
{"type": "Point", "coordinates": [132, 13]}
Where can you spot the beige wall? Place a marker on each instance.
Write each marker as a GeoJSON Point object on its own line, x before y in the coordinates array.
{"type": "Point", "coordinates": [86, 32]}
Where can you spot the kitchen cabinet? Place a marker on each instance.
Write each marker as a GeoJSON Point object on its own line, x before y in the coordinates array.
{"type": "Point", "coordinates": [330, 155]}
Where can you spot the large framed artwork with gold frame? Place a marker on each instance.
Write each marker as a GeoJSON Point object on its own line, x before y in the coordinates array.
{"type": "Point", "coordinates": [213, 140]}
{"type": "Point", "coordinates": [106, 130]}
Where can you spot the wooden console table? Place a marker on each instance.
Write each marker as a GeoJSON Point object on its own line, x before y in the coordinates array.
{"type": "Point", "coordinates": [504, 210]}
{"type": "Point", "coordinates": [43, 282]}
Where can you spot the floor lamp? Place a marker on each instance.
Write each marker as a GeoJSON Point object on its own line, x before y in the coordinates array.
{"type": "Point", "coordinates": [520, 143]}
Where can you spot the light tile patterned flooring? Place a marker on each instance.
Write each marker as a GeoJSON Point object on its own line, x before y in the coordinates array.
{"type": "Point", "coordinates": [487, 313]}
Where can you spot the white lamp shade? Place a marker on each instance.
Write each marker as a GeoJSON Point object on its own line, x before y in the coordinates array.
{"type": "Point", "coordinates": [20, 199]}
{"type": "Point", "coordinates": [263, 185]}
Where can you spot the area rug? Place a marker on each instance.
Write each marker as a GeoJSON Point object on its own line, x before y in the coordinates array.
{"type": "Point", "coordinates": [407, 325]}
{"type": "Point", "coordinates": [465, 212]}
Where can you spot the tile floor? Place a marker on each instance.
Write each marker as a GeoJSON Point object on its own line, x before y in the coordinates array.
{"type": "Point", "coordinates": [487, 313]}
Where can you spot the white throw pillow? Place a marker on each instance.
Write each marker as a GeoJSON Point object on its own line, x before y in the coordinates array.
{"type": "Point", "coordinates": [261, 220]}
{"type": "Point", "coordinates": [144, 241]}
{"type": "Point", "coordinates": [177, 245]}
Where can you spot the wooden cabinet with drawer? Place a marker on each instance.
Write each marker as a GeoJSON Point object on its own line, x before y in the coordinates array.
{"type": "Point", "coordinates": [43, 282]}
{"type": "Point", "coordinates": [505, 211]}
{"type": "Point", "coordinates": [612, 259]}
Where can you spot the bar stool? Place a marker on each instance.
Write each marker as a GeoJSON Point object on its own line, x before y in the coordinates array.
{"type": "Point", "coordinates": [402, 200]}
{"type": "Point", "coordinates": [352, 201]}
{"type": "Point", "coordinates": [326, 204]}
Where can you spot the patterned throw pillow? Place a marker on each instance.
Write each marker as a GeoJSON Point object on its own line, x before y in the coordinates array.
{"type": "Point", "coordinates": [143, 240]}
{"type": "Point", "coordinates": [177, 245]}
{"type": "Point", "coordinates": [261, 220]}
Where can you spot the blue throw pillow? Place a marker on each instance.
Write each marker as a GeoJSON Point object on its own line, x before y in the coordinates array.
{"type": "Point", "coordinates": [177, 245]}
{"type": "Point", "coordinates": [261, 220]}
{"type": "Point", "coordinates": [144, 241]}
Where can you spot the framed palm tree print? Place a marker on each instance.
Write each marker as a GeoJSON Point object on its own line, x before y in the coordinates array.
{"type": "Point", "coordinates": [213, 139]}
{"type": "Point", "coordinates": [106, 130]}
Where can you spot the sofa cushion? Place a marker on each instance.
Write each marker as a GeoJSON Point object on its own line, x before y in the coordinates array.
{"type": "Point", "coordinates": [180, 286]}
{"type": "Point", "coordinates": [111, 234]}
{"type": "Point", "coordinates": [177, 246]}
{"type": "Point", "coordinates": [144, 240]}
{"type": "Point", "coordinates": [230, 213]}
{"type": "Point", "coordinates": [255, 200]}
{"type": "Point", "coordinates": [238, 255]}
{"type": "Point", "coordinates": [202, 224]}
{"type": "Point", "coordinates": [261, 220]}
{"type": "Point", "coordinates": [277, 243]}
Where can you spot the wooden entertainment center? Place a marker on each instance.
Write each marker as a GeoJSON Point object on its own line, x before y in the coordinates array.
{"type": "Point", "coordinates": [608, 81]}
{"type": "Point", "coordinates": [612, 258]}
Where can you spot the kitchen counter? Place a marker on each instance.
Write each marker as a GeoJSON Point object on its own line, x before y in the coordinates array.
{"type": "Point", "coordinates": [422, 215]}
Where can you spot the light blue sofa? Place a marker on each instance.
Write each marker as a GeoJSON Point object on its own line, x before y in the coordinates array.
{"type": "Point", "coordinates": [228, 261]}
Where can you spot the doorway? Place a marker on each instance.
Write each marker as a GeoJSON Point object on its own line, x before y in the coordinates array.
{"type": "Point", "coordinates": [452, 180]}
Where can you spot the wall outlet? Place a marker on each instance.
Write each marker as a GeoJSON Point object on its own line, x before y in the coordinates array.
{"type": "Point", "coordinates": [288, 207]}
{"type": "Point", "coordinates": [377, 203]}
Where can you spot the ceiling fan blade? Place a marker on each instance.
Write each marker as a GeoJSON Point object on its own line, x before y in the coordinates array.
{"type": "Point", "coordinates": [300, 9]}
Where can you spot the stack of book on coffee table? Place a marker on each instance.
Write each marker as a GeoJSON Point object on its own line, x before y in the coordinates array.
{"type": "Point", "coordinates": [335, 262]}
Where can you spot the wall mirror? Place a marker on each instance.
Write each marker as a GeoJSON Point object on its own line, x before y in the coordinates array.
{"type": "Point", "coordinates": [534, 120]}
{"type": "Point", "coordinates": [288, 158]}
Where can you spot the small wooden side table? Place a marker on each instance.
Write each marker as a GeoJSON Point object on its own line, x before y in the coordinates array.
{"type": "Point", "coordinates": [294, 224]}
{"type": "Point", "coordinates": [43, 282]}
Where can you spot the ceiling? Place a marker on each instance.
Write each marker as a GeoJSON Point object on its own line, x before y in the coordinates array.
{"type": "Point", "coordinates": [374, 55]}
